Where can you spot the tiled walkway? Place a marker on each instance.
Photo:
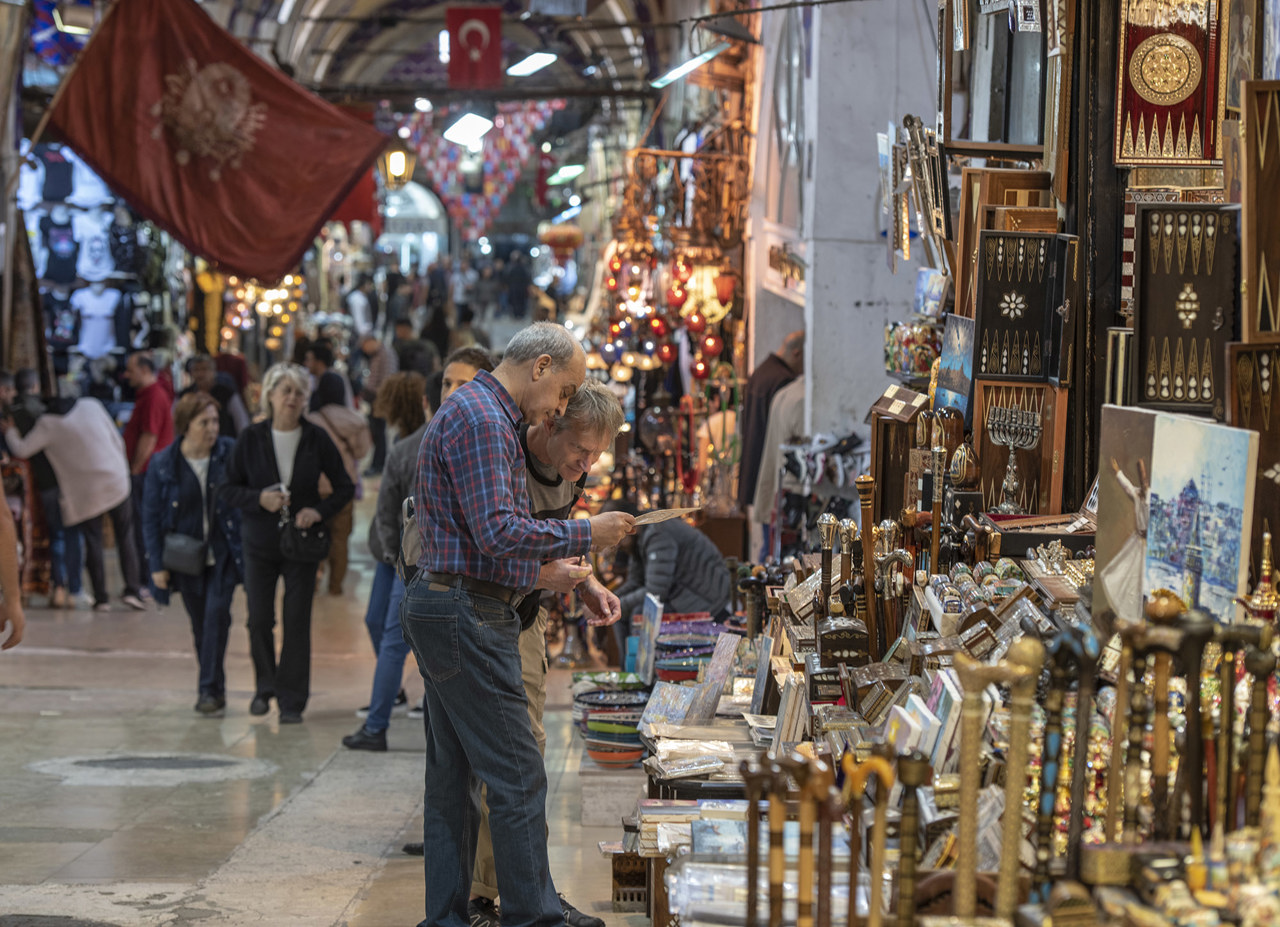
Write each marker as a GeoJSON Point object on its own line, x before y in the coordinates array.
{"type": "Point", "coordinates": [120, 806]}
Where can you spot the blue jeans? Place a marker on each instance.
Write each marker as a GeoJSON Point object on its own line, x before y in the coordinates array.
{"type": "Point", "coordinates": [209, 609]}
{"type": "Point", "coordinates": [64, 544]}
{"type": "Point", "coordinates": [392, 650]}
{"type": "Point", "coordinates": [375, 615]}
{"type": "Point", "coordinates": [467, 648]}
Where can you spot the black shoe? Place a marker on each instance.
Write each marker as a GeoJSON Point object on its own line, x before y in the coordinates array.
{"type": "Point", "coordinates": [210, 705]}
{"type": "Point", "coordinates": [482, 912]}
{"type": "Point", "coordinates": [365, 739]}
{"type": "Point", "coordinates": [575, 918]}
{"type": "Point", "coordinates": [412, 849]}
{"type": "Point", "coordinates": [290, 717]}
{"type": "Point", "coordinates": [260, 705]}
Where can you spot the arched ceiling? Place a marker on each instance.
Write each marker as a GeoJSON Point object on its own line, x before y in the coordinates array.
{"type": "Point", "coordinates": [389, 49]}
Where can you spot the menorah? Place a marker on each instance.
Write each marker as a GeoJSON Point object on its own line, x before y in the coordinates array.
{"type": "Point", "coordinates": [1016, 429]}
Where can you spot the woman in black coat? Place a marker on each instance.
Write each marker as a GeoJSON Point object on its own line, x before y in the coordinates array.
{"type": "Point", "coordinates": [181, 497]}
{"type": "Point", "coordinates": [275, 475]}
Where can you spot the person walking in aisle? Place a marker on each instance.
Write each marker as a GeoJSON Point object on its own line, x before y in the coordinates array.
{"type": "Point", "coordinates": [383, 615]}
{"type": "Point", "coordinates": [382, 364]}
{"type": "Point", "coordinates": [557, 460]}
{"type": "Point", "coordinates": [359, 305]}
{"type": "Point", "coordinates": [148, 431]}
{"type": "Point", "coordinates": [410, 402]}
{"type": "Point", "coordinates": [481, 553]}
{"type": "Point", "coordinates": [180, 497]}
{"type": "Point", "coordinates": [233, 417]}
{"type": "Point", "coordinates": [773, 373]}
{"type": "Point", "coordinates": [349, 432]}
{"type": "Point", "coordinates": [64, 541]}
{"type": "Point", "coordinates": [87, 454]}
{"type": "Point", "coordinates": [275, 479]}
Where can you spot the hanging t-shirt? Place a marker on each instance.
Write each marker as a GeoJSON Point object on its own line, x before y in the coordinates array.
{"type": "Point", "coordinates": [58, 171]}
{"type": "Point", "coordinates": [94, 262]}
{"type": "Point", "coordinates": [125, 251]}
{"type": "Point", "coordinates": [97, 320]}
{"type": "Point", "coordinates": [62, 323]}
{"type": "Point", "coordinates": [89, 191]}
{"type": "Point", "coordinates": [59, 242]}
{"type": "Point", "coordinates": [30, 178]}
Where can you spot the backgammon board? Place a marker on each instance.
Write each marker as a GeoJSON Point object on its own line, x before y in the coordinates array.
{"type": "Point", "coordinates": [1017, 283]}
{"type": "Point", "coordinates": [1260, 247]}
{"type": "Point", "coordinates": [1251, 373]}
{"type": "Point", "coordinates": [1186, 292]}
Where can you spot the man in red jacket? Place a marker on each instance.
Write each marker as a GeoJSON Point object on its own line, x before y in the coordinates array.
{"type": "Point", "coordinates": [150, 429]}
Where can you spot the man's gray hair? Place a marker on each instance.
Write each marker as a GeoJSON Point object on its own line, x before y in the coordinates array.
{"type": "Point", "coordinates": [540, 338]}
{"type": "Point", "coordinates": [593, 410]}
{"type": "Point", "coordinates": [277, 374]}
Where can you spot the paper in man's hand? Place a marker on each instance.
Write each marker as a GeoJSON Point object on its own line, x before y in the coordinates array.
{"type": "Point", "coordinates": [659, 515]}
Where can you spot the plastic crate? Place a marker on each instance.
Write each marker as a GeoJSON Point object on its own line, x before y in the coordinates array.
{"type": "Point", "coordinates": [630, 888]}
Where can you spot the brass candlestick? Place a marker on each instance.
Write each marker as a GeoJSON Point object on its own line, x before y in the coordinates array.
{"type": "Point", "coordinates": [866, 488]}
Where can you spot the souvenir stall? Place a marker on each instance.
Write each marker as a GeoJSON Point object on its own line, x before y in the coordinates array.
{"type": "Point", "coordinates": [1034, 678]}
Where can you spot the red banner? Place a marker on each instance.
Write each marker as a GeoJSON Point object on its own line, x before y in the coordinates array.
{"type": "Point", "coordinates": [475, 46]}
{"type": "Point", "coordinates": [235, 160]}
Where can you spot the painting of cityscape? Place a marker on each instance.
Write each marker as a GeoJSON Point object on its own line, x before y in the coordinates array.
{"type": "Point", "coordinates": [955, 373]}
{"type": "Point", "coordinates": [1201, 501]}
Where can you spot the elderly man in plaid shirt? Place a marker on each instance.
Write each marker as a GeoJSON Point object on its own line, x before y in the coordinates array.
{"type": "Point", "coordinates": [481, 554]}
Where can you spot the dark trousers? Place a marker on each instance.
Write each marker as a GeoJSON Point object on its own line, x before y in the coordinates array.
{"type": "Point", "coordinates": [378, 426]}
{"type": "Point", "coordinates": [64, 543]}
{"type": "Point", "coordinates": [289, 679]}
{"type": "Point", "coordinates": [138, 487]}
{"type": "Point", "coordinates": [130, 566]}
{"type": "Point", "coordinates": [209, 609]}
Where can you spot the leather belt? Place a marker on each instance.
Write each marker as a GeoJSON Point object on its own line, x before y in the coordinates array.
{"type": "Point", "coordinates": [441, 582]}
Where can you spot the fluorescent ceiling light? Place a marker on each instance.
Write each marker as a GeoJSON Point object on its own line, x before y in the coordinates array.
{"type": "Point", "coordinates": [691, 65]}
{"type": "Point", "coordinates": [468, 130]}
{"type": "Point", "coordinates": [73, 19]}
{"type": "Point", "coordinates": [535, 62]}
{"type": "Point", "coordinates": [422, 105]}
{"type": "Point", "coordinates": [286, 9]}
{"type": "Point", "coordinates": [566, 173]}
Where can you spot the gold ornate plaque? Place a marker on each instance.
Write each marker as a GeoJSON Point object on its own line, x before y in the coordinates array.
{"type": "Point", "coordinates": [1165, 69]}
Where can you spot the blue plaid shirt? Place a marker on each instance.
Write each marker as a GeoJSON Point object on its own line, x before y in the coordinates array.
{"type": "Point", "coordinates": [470, 496]}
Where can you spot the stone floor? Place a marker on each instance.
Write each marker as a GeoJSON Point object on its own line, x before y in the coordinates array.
{"type": "Point", "coordinates": [120, 806]}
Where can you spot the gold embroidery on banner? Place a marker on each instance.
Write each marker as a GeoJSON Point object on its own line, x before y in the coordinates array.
{"type": "Point", "coordinates": [210, 113]}
{"type": "Point", "coordinates": [1126, 150]}
{"type": "Point", "coordinates": [1141, 151]}
{"type": "Point", "coordinates": [1165, 69]}
{"type": "Point", "coordinates": [1197, 147]}
{"type": "Point", "coordinates": [1180, 149]}
{"type": "Point", "coordinates": [1167, 150]}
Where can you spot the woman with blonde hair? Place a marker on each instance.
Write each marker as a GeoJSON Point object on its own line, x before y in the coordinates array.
{"type": "Point", "coordinates": [274, 480]}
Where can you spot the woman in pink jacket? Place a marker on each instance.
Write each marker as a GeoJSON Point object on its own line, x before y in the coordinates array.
{"type": "Point", "coordinates": [350, 432]}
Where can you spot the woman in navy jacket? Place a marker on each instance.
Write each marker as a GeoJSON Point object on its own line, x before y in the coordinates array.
{"type": "Point", "coordinates": [180, 496]}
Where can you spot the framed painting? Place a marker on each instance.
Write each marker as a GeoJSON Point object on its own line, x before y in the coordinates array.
{"type": "Point", "coordinates": [1245, 41]}
{"type": "Point", "coordinates": [1124, 482]}
{"type": "Point", "coordinates": [955, 372]}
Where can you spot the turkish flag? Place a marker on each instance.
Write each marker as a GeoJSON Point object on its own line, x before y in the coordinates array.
{"type": "Point", "coordinates": [232, 158]}
{"type": "Point", "coordinates": [475, 46]}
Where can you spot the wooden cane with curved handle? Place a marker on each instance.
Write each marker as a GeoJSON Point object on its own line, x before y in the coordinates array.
{"type": "Point", "coordinates": [856, 778]}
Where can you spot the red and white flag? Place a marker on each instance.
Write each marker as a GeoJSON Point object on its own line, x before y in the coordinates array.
{"type": "Point", "coordinates": [235, 160]}
{"type": "Point", "coordinates": [475, 46]}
